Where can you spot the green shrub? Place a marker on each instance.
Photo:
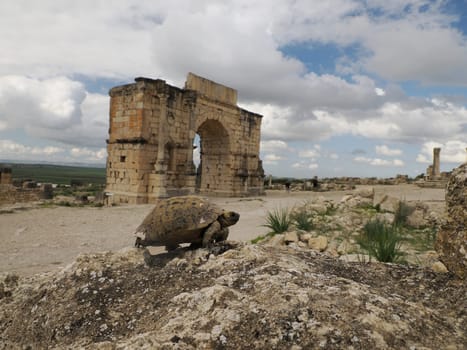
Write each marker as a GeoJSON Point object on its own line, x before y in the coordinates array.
{"type": "Point", "coordinates": [278, 220]}
{"type": "Point", "coordinates": [303, 220]}
{"type": "Point", "coordinates": [382, 241]}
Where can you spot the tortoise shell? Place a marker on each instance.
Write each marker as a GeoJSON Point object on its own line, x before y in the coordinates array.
{"type": "Point", "coordinates": [179, 219]}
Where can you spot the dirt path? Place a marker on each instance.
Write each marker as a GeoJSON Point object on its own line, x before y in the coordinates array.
{"type": "Point", "coordinates": [43, 239]}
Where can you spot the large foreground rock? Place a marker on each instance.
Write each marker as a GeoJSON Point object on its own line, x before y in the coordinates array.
{"type": "Point", "coordinates": [451, 242]}
{"type": "Point", "coordinates": [250, 296]}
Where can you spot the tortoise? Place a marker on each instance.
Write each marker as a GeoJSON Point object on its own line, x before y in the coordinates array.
{"type": "Point", "coordinates": [184, 219]}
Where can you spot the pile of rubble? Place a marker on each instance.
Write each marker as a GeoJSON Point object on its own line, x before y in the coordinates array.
{"type": "Point", "coordinates": [336, 226]}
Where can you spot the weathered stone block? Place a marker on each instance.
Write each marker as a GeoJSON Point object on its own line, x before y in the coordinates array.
{"type": "Point", "coordinates": [319, 243]}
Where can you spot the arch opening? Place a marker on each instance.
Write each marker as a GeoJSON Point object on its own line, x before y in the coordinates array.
{"type": "Point", "coordinates": [214, 158]}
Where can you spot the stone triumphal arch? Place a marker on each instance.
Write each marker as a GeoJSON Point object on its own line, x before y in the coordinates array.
{"type": "Point", "coordinates": [151, 134]}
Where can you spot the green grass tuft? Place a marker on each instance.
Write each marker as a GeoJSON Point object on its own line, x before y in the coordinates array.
{"type": "Point", "coordinates": [278, 220]}
{"type": "Point", "coordinates": [382, 241]}
{"type": "Point", "coordinates": [403, 211]}
{"type": "Point", "coordinates": [303, 220]}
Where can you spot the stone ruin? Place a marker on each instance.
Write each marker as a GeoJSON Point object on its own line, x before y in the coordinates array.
{"type": "Point", "coordinates": [451, 242]}
{"type": "Point", "coordinates": [151, 141]}
{"type": "Point", "coordinates": [5, 176]}
{"type": "Point", "coordinates": [434, 178]}
{"type": "Point", "coordinates": [27, 191]}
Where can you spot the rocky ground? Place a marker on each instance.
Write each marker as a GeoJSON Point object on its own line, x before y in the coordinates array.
{"type": "Point", "coordinates": [336, 226]}
{"type": "Point", "coordinates": [234, 296]}
{"type": "Point", "coordinates": [285, 292]}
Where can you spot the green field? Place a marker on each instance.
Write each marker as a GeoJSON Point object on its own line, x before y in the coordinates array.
{"type": "Point", "coordinates": [58, 174]}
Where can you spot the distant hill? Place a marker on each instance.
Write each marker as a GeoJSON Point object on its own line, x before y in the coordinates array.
{"type": "Point", "coordinates": [58, 174]}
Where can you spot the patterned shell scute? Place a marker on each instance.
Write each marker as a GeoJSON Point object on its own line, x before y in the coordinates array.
{"type": "Point", "coordinates": [180, 214]}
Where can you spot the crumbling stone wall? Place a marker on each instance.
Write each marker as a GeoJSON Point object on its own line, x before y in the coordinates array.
{"type": "Point", "coordinates": [451, 241]}
{"type": "Point", "coordinates": [10, 194]}
{"type": "Point", "coordinates": [29, 192]}
{"type": "Point", "coordinates": [152, 130]}
{"type": "Point", "coordinates": [5, 176]}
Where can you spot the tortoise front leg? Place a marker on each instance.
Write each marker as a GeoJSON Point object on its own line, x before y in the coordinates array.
{"type": "Point", "coordinates": [221, 235]}
{"type": "Point", "coordinates": [211, 233]}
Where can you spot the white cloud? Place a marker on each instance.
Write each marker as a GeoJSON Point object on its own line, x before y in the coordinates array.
{"type": "Point", "coordinates": [67, 37]}
{"type": "Point", "coordinates": [56, 109]}
{"type": "Point", "coordinates": [309, 153]}
{"type": "Point", "coordinates": [391, 40]}
{"type": "Point", "coordinates": [272, 159]}
{"type": "Point", "coordinates": [398, 163]}
{"type": "Point", "coordinates": [47, 151]}
{"type": "Point", "coordinates": [411, 121]}
{"type": "Point", "coordinates": [386, 151]}
{"type": "Point", "coordinates": [14, 150]}
{"type": "Point", "coordinates": [380, 92]}
{"type": "Point", "coordinates": [297, 105]}
{"type": "Point", "coordinates": [305, 165]}
{"type": "Point", "coordinates": [299, 165]}
{"type": "Point", "coordinates": [9, 148]}
{"type": "Point", "coordinates": [313, 166]}
{"type": "Point", "coordinates": [421, 158]}
{"type": "Point", "coordinates": [274, 146]}
{"type": "Point", "coordinates": [88, 154]}
{"type": "Point", "coordinates": [451, 152]}
{"type": "Point", "coordinates": [379, 161]}
{"type": "Point", "coordinates": [223, 39]}
{"type": "Point", "coordinates": [51, 103]}
{"type": "Point", "coordinates": [414, 121]}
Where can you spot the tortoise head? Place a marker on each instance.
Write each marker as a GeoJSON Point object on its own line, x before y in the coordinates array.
{"type": "Point", "coordinates": [228, 218]}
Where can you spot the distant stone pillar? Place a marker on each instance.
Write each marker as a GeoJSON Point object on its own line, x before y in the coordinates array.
{"type": "Point", "coordinates": [436, 170]}
{"type": "Point", "coordinates": [270, 181]}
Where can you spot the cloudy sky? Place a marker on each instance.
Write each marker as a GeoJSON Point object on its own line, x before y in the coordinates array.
{"type": "Point", "coordinates": [346, 87]}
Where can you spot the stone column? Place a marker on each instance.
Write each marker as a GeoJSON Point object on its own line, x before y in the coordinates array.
{"type": "Point", "coordinates": [159, 179]}
{"type": "Point", "coordinates": [190, 168]}
{"type": "Point", "coordinates": [436, 171]}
